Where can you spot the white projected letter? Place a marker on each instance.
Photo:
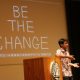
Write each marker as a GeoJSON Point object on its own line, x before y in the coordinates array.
{"type": "Point", "coordinates": [16, 12]}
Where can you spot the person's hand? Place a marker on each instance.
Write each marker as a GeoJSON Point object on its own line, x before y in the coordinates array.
{"type": "Point", "coordinates": [76, 65]}
{"type": "Point", "coordinates": [71, 57]}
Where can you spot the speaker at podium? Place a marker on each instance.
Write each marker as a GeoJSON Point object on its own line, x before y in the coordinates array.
{"type": "Point", "coordinates": [44, 68]}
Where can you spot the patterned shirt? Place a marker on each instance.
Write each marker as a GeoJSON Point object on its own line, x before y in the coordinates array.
{"type": "Point", "coordinates": [66, 69]}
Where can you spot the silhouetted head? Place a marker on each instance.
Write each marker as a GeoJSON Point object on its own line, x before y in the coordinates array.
{"type": "Point", "coordinates": [63, 43]}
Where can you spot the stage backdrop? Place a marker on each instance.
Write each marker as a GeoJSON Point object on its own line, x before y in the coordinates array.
{"type": "Point", "coordinates": [28, 29]}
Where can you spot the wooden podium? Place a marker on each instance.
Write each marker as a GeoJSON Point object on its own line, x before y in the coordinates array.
{"type": "Point", "coordinates": [39, 68]}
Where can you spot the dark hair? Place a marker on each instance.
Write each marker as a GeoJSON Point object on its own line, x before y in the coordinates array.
{"type": "Point", "coordinates": [61, 41]}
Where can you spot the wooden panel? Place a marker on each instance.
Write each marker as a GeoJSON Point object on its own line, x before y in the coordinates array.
{"type": "Point", "coordinates": [33, 69]}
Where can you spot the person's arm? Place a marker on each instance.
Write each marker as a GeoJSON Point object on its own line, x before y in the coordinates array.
{"type": "Point", "coordinates": [66, 56]}
{"type": "Point", "coordinates": [74, 65]}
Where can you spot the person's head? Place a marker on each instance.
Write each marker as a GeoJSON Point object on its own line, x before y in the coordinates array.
{"type": "Point", "coordinates": [63, 43]}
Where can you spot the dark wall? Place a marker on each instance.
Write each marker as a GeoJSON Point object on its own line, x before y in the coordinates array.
{"type": "Point", "coordinates": [72, 8]}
